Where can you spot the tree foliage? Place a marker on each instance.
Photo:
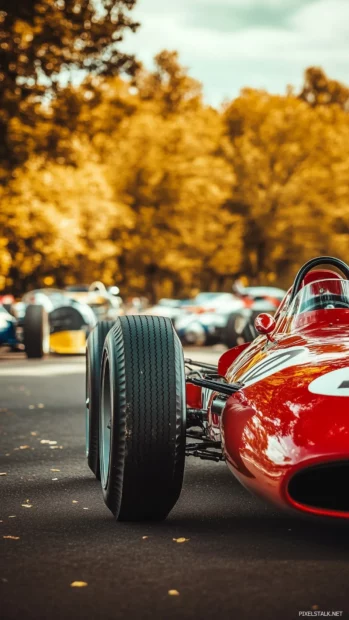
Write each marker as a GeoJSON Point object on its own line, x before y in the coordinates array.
{"type": "Point", "coordinates": [42, 41]}
{"type": "Point", "coordinates": [318, 90]}
{"type": "Point", "coordinates": [291, 164]}
{"type": "Point", "coordinates": [137, 181]}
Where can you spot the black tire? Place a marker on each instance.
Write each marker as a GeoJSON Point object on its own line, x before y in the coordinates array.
{"type": "Point", "coordinates": [143, 405]}
{"type": "Point", "coordinates": [36, 331]}
{"type": "Point", "coordinates": [249, 333]}
{"type": "Point", "coordinates": [94, 350]}
{"type": "Point", "coordinates": [229, 334]}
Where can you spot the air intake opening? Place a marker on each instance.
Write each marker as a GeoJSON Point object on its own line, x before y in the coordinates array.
{"type": "Point", "coordinates": [322, 486]}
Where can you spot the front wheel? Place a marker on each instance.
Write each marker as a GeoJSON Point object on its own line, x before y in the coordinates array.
{"type": "Point", "coordinates": [229, 337]}
{"type": "Point", "coordinates": [142, 422]}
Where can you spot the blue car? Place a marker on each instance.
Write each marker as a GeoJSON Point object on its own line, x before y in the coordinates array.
{"type": "Point", "coordinates": [8, 324]}
{"type": "Point", "coordinates": [31, 336]}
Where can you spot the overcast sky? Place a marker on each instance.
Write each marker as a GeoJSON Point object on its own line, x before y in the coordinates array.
{"type": "Point", "coordinates": [228, 44]}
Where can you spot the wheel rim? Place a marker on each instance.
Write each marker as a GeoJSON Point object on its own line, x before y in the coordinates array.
{"type": "Point", "coordinates": [105, 420]}
{"type": "Point", "coordinates": [87, 409]}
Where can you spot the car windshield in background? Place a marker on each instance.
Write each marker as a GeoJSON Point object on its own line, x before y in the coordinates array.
{"type": "Point", "coordinates": [40, 296]}
{"type": "Point", "coordinates": [265, 291]}
{"type": "Point", "coordinates": [204, 299]}
{"type": "Point", "coordinates": [77, 288]}
{"type": "Point", "coordinates": [170, 303]}
{"type": "Point", "coordinates": [321, 295]}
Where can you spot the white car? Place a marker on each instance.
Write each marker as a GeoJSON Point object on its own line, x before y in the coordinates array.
{"type": "Point", "coordinates": [203, 322]}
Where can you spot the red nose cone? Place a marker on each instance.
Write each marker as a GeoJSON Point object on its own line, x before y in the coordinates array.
{"type": "Point", "coordinates": [289, 444]}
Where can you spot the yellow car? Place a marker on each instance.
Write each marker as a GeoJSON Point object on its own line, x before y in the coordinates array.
{"type": "Point", "coordinates": [69, 321]}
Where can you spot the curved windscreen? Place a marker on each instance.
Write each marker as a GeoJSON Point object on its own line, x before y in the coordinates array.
{"type": "Point", "coordinates": [321, 295]}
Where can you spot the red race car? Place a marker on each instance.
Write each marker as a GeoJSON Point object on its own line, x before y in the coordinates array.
{"type": "Point", "coordinates": [276, 410]}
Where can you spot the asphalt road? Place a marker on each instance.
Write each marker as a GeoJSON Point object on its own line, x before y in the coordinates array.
{"type": "Point", "coordinates": [241, 560]}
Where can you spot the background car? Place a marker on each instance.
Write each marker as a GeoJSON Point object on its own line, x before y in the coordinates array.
{"type": "Point", "coordinates": [240, 324]}
{"type": "Point", "coordinates": [7, 300]}
{"type": "Point", "coordinates": [8, 336]}
{"type": "Point", "coordinates": [31, 336]}
{"type": "Point", "coordinates": [105, 303]}
{"type": "Point", "coordinates": [170, 308]}
{"type": "Point", "coordinates": [69, 321]}
{"type": "Point", "coordinates": [203, 320]}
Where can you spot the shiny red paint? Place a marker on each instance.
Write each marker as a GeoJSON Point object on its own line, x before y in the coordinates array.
{"type": "Point", "coordinates": [276, 425]}
{"type": "Point", "coordinates": [320, 274]}
{"type": "Point", "coordinates": [265, 324]}
{"type": "Point", "coordinates": [226, 360]}
{"type": "Point", "coordinates": [193, 396]}
{"type": "Point", "coordinates": [283, 421]}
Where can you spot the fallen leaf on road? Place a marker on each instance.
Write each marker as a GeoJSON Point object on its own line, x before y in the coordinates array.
{"type": "Point", "coordinates": [55, 469]}
{"type": "Point", "coordinates": [27, 505]}
{"type": "Point", "coordinates": [12, 516]}
{"type": "Point", "coordinates": [75, 501]}
{"type": "Point", "coordinates": [180, 540]}
{"type": "Point", "coordinates": [11, 537]}
{"type": "Point", "coordinates": [173, 592]}
{"type": "Point", "coordinates": [31, 407]}
{"type": "Point", "coordinates": [85, 508]}
{"type": "Point", "coordinates": [145, 537]}
{"type": "Point", "coordinates": [33, 433]}
{"type": "Point", "coordinates": [41, 406]}
{"type": "Point", "coordinates": [49, 442]}
{"type": "Point", "coordinates": [78, 584]}
{"type": "Point", "coordinates": [3, 473]}
{"type": "Point", "coordinates": [23, 447]}
{"type": "Point", "coordinates": [54, 478]}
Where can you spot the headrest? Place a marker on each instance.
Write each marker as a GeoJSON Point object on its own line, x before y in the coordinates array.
{"type": "Point", "coordinates": [321, 274]}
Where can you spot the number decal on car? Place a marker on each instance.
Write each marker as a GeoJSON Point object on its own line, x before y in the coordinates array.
{"type": "Point", "coordinates": [334, 383]}
{"type": "Point", "coordinates": [272, 364]}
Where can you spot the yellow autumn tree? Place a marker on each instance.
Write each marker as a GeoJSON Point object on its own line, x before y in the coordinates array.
{"type": "Point", "coordinates": [139, 182]}
{"type": "Point", "coordinates": [291, 188]}
{"type": "Point", "coordinates": [164, 164]}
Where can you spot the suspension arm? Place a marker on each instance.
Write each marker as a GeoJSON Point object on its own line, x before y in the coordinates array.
{"type": "Point", "coordinates": [216, 386]}
{"type": "Point", "coordinates": [203, 365]}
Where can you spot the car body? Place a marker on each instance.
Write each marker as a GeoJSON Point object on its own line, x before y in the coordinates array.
{"type": "Point", "coordinates": [275, 410]}
{"type": "Point", "coordinates": [105, 303]}
{"type": "Point", "coordinates": [70, 321]}
{"type": "Point", "coordinates": [239, 325]}
{"type": "Point", "coordinates": [8, 335]}
{"type": "Point", "coordinates": [284, 430]}
{"type": "Point", "coordinates": [166, 307]}
{"type": "Point", "coordinates": [203, 321]}
{"type": "Point", "coordinates": [7, 300]}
